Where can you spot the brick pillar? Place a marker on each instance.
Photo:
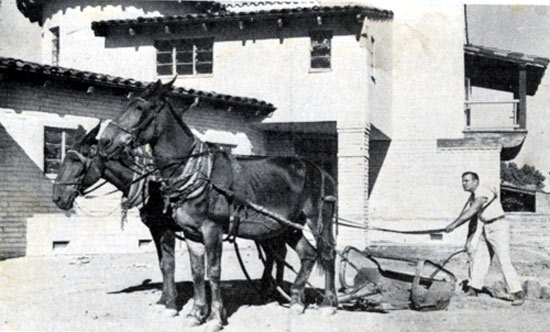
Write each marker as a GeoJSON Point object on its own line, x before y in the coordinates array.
{"type": "Point", "coordinates": [353, 181]}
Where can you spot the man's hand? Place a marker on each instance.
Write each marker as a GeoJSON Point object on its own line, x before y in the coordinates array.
{"type": "Point", "coordinates": [451, 227]}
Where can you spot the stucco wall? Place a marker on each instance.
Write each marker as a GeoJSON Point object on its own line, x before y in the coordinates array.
{"type": "Point", "coordinates": [428, 71]}
{"type": "Point", "coordinates": [80, 49]}
{"type": "Point", "coordinates": [419, 187]}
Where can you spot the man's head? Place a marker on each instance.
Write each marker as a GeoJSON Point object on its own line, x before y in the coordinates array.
{"type": "Point", "coordinates": [470, 181]}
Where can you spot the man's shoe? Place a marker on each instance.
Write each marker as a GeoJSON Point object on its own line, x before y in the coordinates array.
{"type": "Point", "coordinates": [518, 298]}
{"type": "Point", "coordinates": [472, 291]}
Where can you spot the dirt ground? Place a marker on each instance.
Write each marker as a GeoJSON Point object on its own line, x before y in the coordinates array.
{"type": "Point", "coordinates": [118, 292]}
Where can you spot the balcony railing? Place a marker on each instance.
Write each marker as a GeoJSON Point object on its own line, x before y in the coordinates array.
{"type": "Point", "coordinates": [491, 115]}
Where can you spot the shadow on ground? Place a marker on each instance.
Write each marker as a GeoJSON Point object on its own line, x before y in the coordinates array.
{"type": "Point", "coordinates": [235, 293]}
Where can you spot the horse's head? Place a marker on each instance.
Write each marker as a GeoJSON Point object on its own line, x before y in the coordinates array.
{"type": "Point", "coordinates": [80, 169]}
{"type": "Point", "coordinates": [136, 125]}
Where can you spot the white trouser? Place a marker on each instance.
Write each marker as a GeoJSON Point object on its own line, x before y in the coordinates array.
{"type": "Point", "coordinates": [488, 240]}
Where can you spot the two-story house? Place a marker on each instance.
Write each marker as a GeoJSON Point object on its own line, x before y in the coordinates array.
{"type": "Point", "coordinates": [376, 96]}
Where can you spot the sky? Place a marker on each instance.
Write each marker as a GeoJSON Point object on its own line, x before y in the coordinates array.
{"type": "Point", "coordinates": [521, 29]}
{"type": "Point", "coordinates": [510, 27]}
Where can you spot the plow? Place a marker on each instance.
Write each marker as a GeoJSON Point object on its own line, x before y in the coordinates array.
{"type": "Point", "coordinates": [372, 281]}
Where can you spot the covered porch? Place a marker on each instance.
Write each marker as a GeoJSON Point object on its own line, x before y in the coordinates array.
{"type": "Point", "coordinates": [497, 83]}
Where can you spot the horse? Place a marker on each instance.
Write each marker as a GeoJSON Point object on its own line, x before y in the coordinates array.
{"type": "Point", "coordinates": [205, 187]}
{"type": "Point", "coordinates": [83, 167]}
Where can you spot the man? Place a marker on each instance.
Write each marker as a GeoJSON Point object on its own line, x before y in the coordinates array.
{"type": "Point", "coordinates": [492, 236]}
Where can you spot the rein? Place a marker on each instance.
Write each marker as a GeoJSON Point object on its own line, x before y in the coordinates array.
{"type": "Point", "coordinates": [353, 224]}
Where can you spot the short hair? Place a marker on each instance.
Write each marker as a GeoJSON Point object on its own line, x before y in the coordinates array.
{"type": "Point", "coordinates": [473, 174]}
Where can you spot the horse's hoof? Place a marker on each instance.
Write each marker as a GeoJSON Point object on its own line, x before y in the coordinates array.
{"type": "Point", "coordinates": [191, 321]}
{"type": "Point", "coordinates": [213, 326]}
{"type": "Point", "coordinates": [327, 311]}
{"type": "Point", "coordinates": [297, 309]}
{"type": "Point", "coordinates": [168, 313]}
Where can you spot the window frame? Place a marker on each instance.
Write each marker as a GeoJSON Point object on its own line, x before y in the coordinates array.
{"type": "Point", "coordinates": [314, 36]}
{"type": "Point", "coordinates": [196, 44]}
{"type": "Point", "coordinates": [63, 145]}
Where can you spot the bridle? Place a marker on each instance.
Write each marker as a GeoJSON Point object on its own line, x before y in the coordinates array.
{"type": "Point", "coordinates": [152, 116]}
{"type": "Point", "coordinates": [79, 180]}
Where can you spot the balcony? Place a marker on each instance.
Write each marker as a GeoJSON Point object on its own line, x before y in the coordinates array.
{"type": "Point", "coordinates": [495, 123]}
{"type": "Point", "coordinates": [499, 121]}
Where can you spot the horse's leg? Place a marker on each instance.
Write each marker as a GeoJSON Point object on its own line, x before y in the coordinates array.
{"type": "Point", "coordinates": [281, 262]}
{"type": "Point", "coordinates": [307, 255]}
{"type": "Point", "coordinates": [327, 251]}
{"type": "Point", "coordinates": [199, 312]}
{"type": "Point", "coordinates": [275, 252]}
{"type": "Point", "coordinates": [267, 284]}
{"type": "Point", "coordinates": [165, 244]}
{"type": "Point", "coordinates": [212, 235]}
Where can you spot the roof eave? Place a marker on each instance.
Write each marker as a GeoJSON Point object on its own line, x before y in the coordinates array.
{"type": "Point", "coordinates": [63, 74]}
{"type": "Point", "coordinates": [102, 28]}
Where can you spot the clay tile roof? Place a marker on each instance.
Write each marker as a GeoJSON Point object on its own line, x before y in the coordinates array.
{"type": "Point", "coordinates": [8, 65]}
{"type": "Point", "coordinates": [101, 28]}
{"type": "Point", "coordinates": [33, 9]}
{"type": "Point", "coordinates": [495, 68]}
{"type": "Point", "coordinates": [505, 55]}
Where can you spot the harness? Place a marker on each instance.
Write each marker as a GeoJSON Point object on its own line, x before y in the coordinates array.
{"type": "Point", "coordinates": [193, 178]}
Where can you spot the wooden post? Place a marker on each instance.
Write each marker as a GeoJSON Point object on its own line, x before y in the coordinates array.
{"type": "Point", "coordinates": [522, 91]}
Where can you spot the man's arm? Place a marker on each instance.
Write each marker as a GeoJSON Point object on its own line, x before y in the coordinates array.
{"type": "Point", "coordinates": [476, 206]}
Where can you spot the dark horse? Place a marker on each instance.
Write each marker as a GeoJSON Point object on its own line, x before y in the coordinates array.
{"type": "Point", "coordinates": [83, 167]}
{"type": "Point", "coordinates": [293, 188]}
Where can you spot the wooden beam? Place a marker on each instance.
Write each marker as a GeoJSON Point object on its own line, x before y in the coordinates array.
{"type": "Point", "coordinates": [522, 90]}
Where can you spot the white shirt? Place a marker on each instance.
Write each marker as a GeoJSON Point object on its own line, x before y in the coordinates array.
{"type": "Point", "coordinates": [492, 208]}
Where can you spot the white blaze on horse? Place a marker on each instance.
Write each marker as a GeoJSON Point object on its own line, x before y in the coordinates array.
{"type": "Point", "coordinates": [290, 188]}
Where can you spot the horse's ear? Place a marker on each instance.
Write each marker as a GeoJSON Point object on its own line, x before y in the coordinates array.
{"type": "Point", "coordinates": [90, 137]}
{"type": "Point", "coordinates": [87, 139]}
{"type": "Point", "coordinates": [152, 90]}
{"type": "Point", "coordinates": [79, 137]}
{"type": "Point", "coordinates": [167, 86]}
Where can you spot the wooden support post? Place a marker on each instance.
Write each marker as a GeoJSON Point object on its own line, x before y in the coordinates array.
{"type": "Point", "coordinates": [522, 107]}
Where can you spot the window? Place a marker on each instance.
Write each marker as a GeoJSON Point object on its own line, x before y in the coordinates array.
{"type": "Point", "coordinates": [55, 46]}
{"type": "Point", "coordinates": [189, 57]}
{"type": "Point", "coordinates": [56, 142]}
{"type": "Point", "coordinates": [320, 50]}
